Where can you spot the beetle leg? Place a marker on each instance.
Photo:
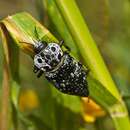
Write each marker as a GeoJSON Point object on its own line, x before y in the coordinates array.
{"type": "Point", "coordinates": [40, 73]}
{"type": "Point", "coordinates": [87, 70]}
{"type": "Point", "coordinates": [61, 43]}
{"type": "Point", "coordinates": [35, 69]}
{"type": "Point", "coordinates": [67, 48]}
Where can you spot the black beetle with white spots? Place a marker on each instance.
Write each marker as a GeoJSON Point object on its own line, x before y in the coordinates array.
{"type": "Point", "coordinates": [60, 68]}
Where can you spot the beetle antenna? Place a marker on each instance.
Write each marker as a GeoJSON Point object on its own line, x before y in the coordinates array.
{"type": "Point", "coordinates": [31, 43]}
{"type": "Point", "coordinates": [61, 43]}
{"type": "Point", "coordinates": [36, 33]}
{"type": "Point", "coordinates": [24, 42]}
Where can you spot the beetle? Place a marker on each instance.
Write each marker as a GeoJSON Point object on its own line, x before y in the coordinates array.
{"type": "Point", "coordinates": [62, 70]}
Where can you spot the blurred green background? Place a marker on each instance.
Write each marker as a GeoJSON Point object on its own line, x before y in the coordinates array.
{"type": "Point", "coordinates": [109, 24]}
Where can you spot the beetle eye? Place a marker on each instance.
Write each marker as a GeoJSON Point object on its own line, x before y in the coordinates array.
{"type": "Point", "coordinates": [39, 60]}
{"type": "Point", "coordinates": [53, 49]}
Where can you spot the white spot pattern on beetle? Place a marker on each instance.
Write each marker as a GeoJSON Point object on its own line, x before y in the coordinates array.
{"type": "Point", "coordinates": [61, 69]}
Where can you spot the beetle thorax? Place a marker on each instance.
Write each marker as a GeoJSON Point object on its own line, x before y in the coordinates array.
{"type": "Point", "coordinates": [49, 57]}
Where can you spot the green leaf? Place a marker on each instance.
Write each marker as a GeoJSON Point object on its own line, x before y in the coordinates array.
{"type": "Point", "coordinates": [21, 28]}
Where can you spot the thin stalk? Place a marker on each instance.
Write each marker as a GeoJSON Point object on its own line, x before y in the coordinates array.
{"type": "Point", "coordinates": [10, 75]}
{"type": "Point", "coordinates": [5, 105]}
{"type": "Point", "coordinates": [5, 99]}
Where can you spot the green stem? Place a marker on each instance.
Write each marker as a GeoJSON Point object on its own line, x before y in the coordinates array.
{"type": "Point", "coordinates": [86, 44]}
{"type": "Point", "coordinates": [93, 59]}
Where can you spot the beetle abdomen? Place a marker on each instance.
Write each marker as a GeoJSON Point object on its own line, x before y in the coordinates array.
{"type": "Point", "coordinates": [70, 77]}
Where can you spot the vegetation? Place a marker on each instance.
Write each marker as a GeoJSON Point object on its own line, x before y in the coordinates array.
{"type": "Point", "coordinates": [31, 103]}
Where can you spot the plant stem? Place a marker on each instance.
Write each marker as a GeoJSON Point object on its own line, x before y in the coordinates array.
{"type": "Point", "coordinates": [93, 59]}
{"type": "Point", "coordinates": [10, 75]}
{"type": "Point", "coordinates": [86, 44]}
{"type": "Point", "coordinates": [5, 91]}
{"type": "Point", "coordinates": [5, 99]}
